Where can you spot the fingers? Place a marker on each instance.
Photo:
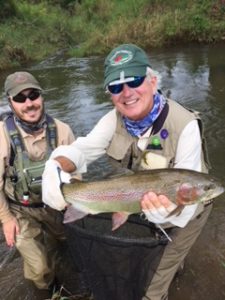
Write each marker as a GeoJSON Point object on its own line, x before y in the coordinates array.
{"type": "Point", "coordinates": [166, 203]}
{"type": "Point", "coordinates": [157, 203]}
{"type": "Point", "coordinates": [9, 237]}
{"type": "Point", "coordinates": [10, 242]}
{"type": "Point", "coordinates": [150, 201]}
{"type": "Point", "coordinates": [10, 229]}
{"type": "Point", "coordinates": [156, 207]}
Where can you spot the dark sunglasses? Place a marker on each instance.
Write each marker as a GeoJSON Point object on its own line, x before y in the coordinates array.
{"type": "Point", "coordinates": [21, 98]}
{"type": "Point", "coordinates": [117, 88]}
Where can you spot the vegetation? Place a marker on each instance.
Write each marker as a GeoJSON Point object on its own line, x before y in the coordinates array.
{"type": "Point", "coordinates": [34, 30]}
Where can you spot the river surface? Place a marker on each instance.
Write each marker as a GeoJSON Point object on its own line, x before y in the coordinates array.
{"type": "Point", "coordinates": [194, 76]}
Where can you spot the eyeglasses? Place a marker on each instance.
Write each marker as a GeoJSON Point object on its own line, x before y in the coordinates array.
{"type": "Point", "coordinates": [117, 88]}
{"type": "Point", "coordinates": [21, 98]}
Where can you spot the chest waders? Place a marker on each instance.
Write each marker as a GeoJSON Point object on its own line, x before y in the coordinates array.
{"type": "Point", "coordinates": [25, 174]}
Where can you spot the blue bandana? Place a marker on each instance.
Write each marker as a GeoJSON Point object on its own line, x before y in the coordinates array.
{"type": "Point", "coordinates": [137, 128]}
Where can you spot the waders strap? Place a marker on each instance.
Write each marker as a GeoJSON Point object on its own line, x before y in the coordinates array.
{"type": "Point", "coordinates": [17, 141]}
{"type": "Point", "coordinates": [51, 132]}
{"type": "Point", "coordinates": [18, 147]}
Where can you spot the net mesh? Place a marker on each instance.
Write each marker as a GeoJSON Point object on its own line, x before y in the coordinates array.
{"type": "Point", "coordinates": [116, 265]}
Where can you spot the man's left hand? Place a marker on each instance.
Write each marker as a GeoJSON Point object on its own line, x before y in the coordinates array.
{"type": "Point", "coordinates": [158, 207]}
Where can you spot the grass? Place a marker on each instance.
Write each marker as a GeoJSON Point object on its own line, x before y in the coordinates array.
{"type": "Point", "coordinates": [34, 30]}
{"type": "Point", "coordinates": [64, 294]}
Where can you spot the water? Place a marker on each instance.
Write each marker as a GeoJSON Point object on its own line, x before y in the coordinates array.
{"type": "Point", "coordinates": [194, 76]}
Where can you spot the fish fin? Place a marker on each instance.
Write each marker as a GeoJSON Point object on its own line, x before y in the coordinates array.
{"type": "Point", "coordinates": [72, 214]}
{"type": "Point", "coordinates": [177, 211]}
{"type": "Point", "coordinates": [118, 219]}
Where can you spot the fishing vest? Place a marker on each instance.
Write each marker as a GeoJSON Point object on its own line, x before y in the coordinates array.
{"type": "Point", "coordinates": [23, 173]}
{"type": "Point", "coordinates": [162, 142]}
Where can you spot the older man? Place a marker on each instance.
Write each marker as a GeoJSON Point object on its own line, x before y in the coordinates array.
{"type": "Point", "coordinates": [143, 121]}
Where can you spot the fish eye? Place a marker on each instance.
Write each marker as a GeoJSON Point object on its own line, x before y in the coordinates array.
{"type": "Point", "coordinates": [209, 187]}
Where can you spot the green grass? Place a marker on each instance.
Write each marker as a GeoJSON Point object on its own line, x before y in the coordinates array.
{"type": "Point", "coordinates": [33, 30]}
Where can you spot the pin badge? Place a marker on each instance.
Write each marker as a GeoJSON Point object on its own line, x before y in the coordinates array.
{"type": "Point", "coordinates": [164, 133]}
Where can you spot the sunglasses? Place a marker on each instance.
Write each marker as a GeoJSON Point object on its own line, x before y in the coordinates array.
{"type": "Point", "coordinates": [117, 88]}
{"type": "Point", "coordinates": [21, 98]}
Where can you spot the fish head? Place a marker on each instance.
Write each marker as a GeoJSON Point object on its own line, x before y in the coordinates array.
{"type": "Point", "coordinates": [202, 191]}
{"type": "Point", "coordinates": [210, 190]}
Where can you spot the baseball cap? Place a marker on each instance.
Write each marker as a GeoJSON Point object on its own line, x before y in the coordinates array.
{"type": "Point", "coordinates": [124, 61]}
{"type": "Point", "coordinates": [19, 81]}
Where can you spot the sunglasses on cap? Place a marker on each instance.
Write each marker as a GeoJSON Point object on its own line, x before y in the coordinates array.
{"type": "Point", "coordinates": [21, 98]}
{"type": "Point", "coordinates": [117, 88]}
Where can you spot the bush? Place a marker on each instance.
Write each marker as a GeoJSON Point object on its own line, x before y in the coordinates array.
{"type": "Point", "coordinates": [8, 10]}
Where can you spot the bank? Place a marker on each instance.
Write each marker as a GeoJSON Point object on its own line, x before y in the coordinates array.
{"type": "Point", "coordinates": [31, 31]}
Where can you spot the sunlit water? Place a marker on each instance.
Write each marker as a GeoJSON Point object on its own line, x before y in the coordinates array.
{"type": "Point", "coordinates": [194, 76]}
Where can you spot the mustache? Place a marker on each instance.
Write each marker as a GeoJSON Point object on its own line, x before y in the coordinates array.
{"type": "Point", "coordinates": [33, 107]}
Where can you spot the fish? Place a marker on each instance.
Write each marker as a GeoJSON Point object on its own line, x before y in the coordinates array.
{"type": "Point", "coordinates": [121, 195]}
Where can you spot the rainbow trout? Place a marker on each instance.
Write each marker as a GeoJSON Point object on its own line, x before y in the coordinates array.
{"type": "Point", "coordinates": [122, 195]}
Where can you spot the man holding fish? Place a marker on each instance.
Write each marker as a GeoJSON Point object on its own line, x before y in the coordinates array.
{"type": "Point", "coordinates": [144, 131]}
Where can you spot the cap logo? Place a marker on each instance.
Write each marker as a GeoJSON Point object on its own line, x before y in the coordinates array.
{"type": "Point", "coordinates": [121, 57]}
{"type": "Point", "coordinates": [20, 78]}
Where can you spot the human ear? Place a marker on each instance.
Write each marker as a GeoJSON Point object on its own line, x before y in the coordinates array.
{"type": "Point", "coordinates": [154, 82]}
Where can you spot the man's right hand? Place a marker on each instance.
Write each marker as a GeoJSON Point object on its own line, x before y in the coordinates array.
{"type": "Point", "coordinates": [52, 178]}
{"type": "Point", "coordinates": [10, 230]}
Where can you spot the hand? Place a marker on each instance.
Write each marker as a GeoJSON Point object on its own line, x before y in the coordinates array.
{"type": "Point", "coordinates": [52, 178]}
{"type": "Point", "coordinates": [10, 230]}
{"type": "Point", "coordinates": [157, 208]}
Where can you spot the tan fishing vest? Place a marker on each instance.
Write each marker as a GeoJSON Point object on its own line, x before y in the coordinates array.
{"type": "Point", "coordinates": [162, 142]}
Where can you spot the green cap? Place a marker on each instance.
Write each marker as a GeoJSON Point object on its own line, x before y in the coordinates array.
{"type": "Point", "coordinates": [124, 61]}
{"type": "Point", "coordinates": [19, 81]}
